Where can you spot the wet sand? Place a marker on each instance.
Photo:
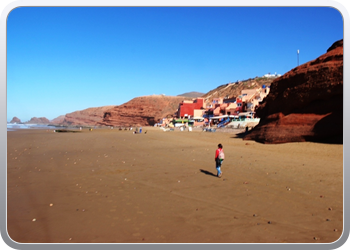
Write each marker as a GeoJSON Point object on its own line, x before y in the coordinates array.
{"type": "Point", "coordinates": [111, 186]}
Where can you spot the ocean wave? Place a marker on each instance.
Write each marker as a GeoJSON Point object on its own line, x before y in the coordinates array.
{"type": "Point", "coordinates": [15, 126]}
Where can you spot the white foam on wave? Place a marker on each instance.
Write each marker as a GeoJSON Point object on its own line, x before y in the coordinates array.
{"type": "Point", "coordinates": [14, 126]}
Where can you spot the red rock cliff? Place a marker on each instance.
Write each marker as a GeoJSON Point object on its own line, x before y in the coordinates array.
{"type": "Point", "coordinates": [86, 117]}
{"type": "Point", "coordinates": [142, 111]}
{"type": "Point", "coordinates": [305, 104]}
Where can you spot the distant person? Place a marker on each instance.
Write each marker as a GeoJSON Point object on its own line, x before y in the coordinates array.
{"type": "Point", "coordinates": [219, 157]}
{"type": "Point", "coordinates": [140, 130]}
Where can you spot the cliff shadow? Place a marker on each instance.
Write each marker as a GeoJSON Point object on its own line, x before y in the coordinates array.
{"type": "Point", "coordinates": [240, 135]}
{"type": "Point", "coordinates": [329, 130]}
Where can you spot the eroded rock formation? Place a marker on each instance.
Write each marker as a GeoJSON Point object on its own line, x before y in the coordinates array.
{"type": "Point", "coordinates": [142, 111]}
{"type": "Point", "coordinates": [86, 117]}
{"type": "Point", "coordinates": [305, 104]}
{"type": "Point", "coordinates": [38, 120]}
{"type": "Point", "coordinates": [15, 120]}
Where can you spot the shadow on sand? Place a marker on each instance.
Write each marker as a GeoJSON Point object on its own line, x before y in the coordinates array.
{"type": "Point", "coordinates": [337, 139]}
{"type": "Point", "coordinates": [240, 135]}
{"type": "Point", "coordinates": [207, 172]}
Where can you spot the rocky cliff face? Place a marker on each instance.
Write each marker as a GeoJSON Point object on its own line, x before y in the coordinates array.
{"type": "Point", "coordinates": [15, 120]}
{"type": "Point", "coordinates": [38, 120]}
{"type": "Point", "coordinates": [58, 120]}
{"type": "Point", "coordinates": [86, 117]}
{"type": "Point", "coordinates": [142, 111]}
{"type": "Point", "coordinates": [305, 104]}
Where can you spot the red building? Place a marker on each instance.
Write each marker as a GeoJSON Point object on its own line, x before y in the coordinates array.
{"type": "Point", "coordinates": [239, 102]}
{"type": "Point", "coordinates": [186, 108]}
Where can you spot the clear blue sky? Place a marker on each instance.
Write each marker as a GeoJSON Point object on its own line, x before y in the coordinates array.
{"type": "Point", "coordinates": [64, 59]}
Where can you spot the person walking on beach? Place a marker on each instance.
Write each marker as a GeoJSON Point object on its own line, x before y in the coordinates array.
{"type": "Point", "coordinates": [219, 157]}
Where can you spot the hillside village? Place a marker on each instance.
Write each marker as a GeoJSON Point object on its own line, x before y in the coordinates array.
{"type": "Point", "coordinates": [230, 105]}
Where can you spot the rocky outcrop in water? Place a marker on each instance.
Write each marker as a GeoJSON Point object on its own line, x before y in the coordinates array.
{"type": "Point", "coordinates": [38, 120]}
{"type": "Point", "coordinates": [305, 104]}
{"type": "Point", "coordinates": [15, 120]}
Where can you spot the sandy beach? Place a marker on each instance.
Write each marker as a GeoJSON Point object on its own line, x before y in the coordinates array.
{"type": "Point", "coordinates": [111, 186]}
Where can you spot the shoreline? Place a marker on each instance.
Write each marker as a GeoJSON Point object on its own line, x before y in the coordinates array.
{"type": "Point", "coordinates": [76, 127]}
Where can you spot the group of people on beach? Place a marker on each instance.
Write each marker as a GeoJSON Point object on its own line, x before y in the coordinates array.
{"type": "Point", "coordinates": [137, 131]}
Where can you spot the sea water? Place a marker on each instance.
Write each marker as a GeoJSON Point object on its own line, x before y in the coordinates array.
{"type": "Point", "coordinates": [15, 126]}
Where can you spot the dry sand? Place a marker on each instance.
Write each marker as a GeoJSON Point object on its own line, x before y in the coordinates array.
{"type": "Point", "coordinates": [113, 186]}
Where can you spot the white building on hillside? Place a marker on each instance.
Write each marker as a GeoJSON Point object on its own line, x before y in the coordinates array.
{"type": "Point", "coordinates": [273, 75]}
